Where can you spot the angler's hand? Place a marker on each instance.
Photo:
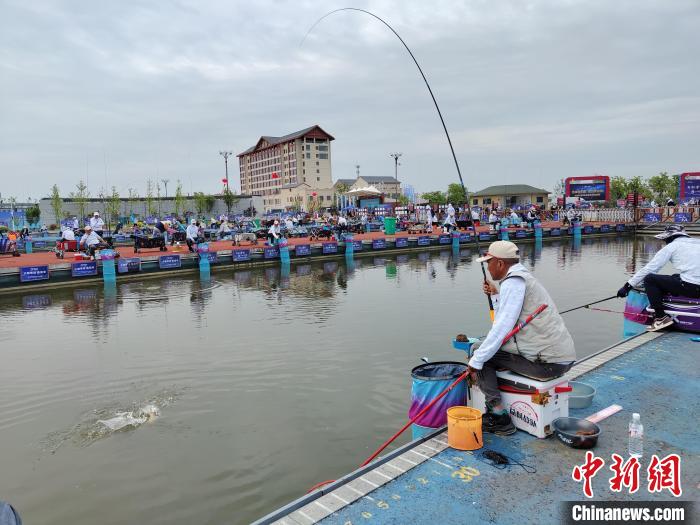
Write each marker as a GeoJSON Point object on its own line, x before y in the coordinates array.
{"type": "Point", "coordinates": [622, 292]}
{"type": "Point", "coordinates": [490, 288]}
{"type": "Point", "coordinates": [472, 375]}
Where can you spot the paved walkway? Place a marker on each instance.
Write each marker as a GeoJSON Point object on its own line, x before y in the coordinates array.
{"type": "Point", "coordinates": [44, 257]}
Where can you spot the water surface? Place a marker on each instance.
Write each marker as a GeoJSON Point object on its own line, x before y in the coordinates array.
{"type": "Point", "coordinates": [267, 381]}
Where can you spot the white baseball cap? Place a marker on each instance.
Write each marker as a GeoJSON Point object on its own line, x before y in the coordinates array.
{"type": "Point", "coordinates": [501, 250]}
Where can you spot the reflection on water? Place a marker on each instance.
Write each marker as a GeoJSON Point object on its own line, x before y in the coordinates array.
{"type": "Point", "coordinates": [283, 376]}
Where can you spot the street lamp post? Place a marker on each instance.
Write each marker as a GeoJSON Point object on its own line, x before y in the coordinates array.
{"type": "Point", "coordinates": [396, 156]}
{"type": "Point", "coordinates": [225, 155]}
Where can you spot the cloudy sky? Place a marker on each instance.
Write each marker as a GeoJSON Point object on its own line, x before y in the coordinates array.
{"type": "Point", "coordinates": [531, 91]}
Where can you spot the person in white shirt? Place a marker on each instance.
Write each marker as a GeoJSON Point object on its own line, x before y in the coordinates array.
{"type": "Point", "coordinates": [192, 235]}
{"type": "Point", "coordinates": [449, 224]}
{"type": "Point", "coordinates": [494, 221]}
{"type": "Point", "coordinates": [684, 253]}
{"type": "Point", "coordinates": [92, 241]}
{"type": "Point", "coordinates": [67, 234]}
{"type": "Point", "coordinates": [476, 217]}
{"type": "Point", "coordinates": [450, 210]}
{"type": "Point", "coordinates": [76, 224]}
{"type": "Point", "coordinates": [429, 220]}
{"type": "Point", "coordinates": [97, 224]}
{"type": "Point", "coordinates": [543, 350]}
{"type": "Point", "coordinates": [273, 234]}
{"type": "Point", "coordinates": [289, 224]}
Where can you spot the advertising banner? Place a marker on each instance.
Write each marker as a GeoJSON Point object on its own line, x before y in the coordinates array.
{"type": "Point", "coordinates": [401, 242]}
{"type": "Point", "coordinates": [83, 268]}
{"type": "Point", "coordinates": [33, 273]}
{"type": "Point", "coordinates": [329, 247]}
{"type": "Point", "coordinates": [242, 255]}
{"type": "Point", "coordinates": [302, 250]}
{"type": "Point", "coordinates": [129, 265]}
{"type": "Point", "coordinates": [378, 244]}
{"type": "Point", "coordinates": [169, 261]}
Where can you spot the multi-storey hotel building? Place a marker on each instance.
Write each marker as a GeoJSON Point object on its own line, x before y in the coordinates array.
{"type": "Point", "coordinates": [289, 172]}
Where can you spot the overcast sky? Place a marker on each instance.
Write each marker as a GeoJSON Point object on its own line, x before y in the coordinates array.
{"type": "Point", "coordinates": [117, 92]}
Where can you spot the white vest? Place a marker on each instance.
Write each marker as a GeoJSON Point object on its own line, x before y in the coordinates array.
{"type": "Point", "coordinates": [545, 338]}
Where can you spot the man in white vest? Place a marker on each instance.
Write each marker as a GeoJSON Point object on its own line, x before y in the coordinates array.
{"type": "Point", "coordinates": [543, 350]}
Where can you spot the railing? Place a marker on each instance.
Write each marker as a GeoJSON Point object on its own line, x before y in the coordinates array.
{"type": "Point", "coordinates": [616, 215]}
{"type": "Point", "coordinates": [675, 214]}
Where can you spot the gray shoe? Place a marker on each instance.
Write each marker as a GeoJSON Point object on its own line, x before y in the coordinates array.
{"type": "Point", "coordinates": [660, 323]}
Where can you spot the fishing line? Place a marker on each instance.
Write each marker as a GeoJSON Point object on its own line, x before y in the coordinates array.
{"type": "Point", "coordinates": [501, 461]}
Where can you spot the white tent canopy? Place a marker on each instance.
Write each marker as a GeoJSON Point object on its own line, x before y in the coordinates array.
{"type": "Point", "coordinates": [367, 190]}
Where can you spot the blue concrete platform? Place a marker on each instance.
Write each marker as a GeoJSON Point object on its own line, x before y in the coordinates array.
{"type": "Point", "coordinates": [655, 375]}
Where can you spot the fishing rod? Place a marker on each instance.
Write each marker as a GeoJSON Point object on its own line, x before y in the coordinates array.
{"type": "Point", "coordinates": [442, 121]}
{"type": "Point", "coordinates": [517, 328]}
{"type": "Point", "coordinates": [587, 305]}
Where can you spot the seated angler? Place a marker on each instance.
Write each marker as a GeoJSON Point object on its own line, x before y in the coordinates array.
{"type": "Point", "coordinates": [543, 350]}
{"type": "Point", "coordinates": [684, 253]}
{"type": "Point", "coordinates": [92, 241]}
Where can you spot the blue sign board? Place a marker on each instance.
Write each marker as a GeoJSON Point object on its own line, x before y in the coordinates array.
{"type": "Point", "coordinates": [357, 246]}
{"type": "Point", "coordinates": [33, 273]}
{"type": "Point", "coordinates": [520, 234]}
{"type": "Point", "coordinates": [682, 217]}
{"type": "Point", "coordinates": [465, 237]}
{"type": "Point", "coordinates": [329, 247]}
{"type": "Point", "coordinates": [423, 241]}
{"type": "Point", "coordinates": [620, 227]}
{"type": "Point", "coordinates": [129, 265]}
{"type": "Point", "coordinates": [169, 261]}
{"type": "Point", "coordinates": [209, 255]}
{"type": "Point", "coordinates": [83, 269]}
{"type": "Point", "coordinates": [555, 232]}
{"type": "Point", "coordinates": [588, 229]}
{"type": "Point", "coordinates": [444, 239]}
{"type": "Point", "coordinates": [378, 244]}
{"type": "Point", "coordinates": [483, 236]}
{"type": "Point", "coordinates": [401, 242]}
{"type": "Point", "coordinates": [39, 244]}
{"type": "Point", "coordinates": [271, 252]}
{"type": "Point", "coordinates": [604, 228]}
{"type": "Point", "coordinates": [652, 217]}
{"type": "Point", "coordinates": [302, 249]}
{"type": "Point", "coordinates": [242, 255]}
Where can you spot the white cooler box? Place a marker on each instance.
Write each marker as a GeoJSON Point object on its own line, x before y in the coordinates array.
{"type": "Point", "coordinates": [532, 404]}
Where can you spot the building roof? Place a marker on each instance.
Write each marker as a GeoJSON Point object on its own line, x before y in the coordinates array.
{"type": "Point", "coordinates": [509, 189]}
{"type": "Point", "coordinates": [347, 182]}
{"type": "Point", "coordinates": [285, 138]}
{"type": "Point", "coordinates": [292, 185]}
{"type": "Point", "coordinates": [374, 180]}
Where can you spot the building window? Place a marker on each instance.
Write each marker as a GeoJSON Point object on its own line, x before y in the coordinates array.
{"type": "Point", "coordinates": [540, 199]}
{"type": "Point", "coordinates": [316, 163]}
{"type": "Point", "coordinates": [323, 155]}
{"type": "Point", "coordinates": [303, 172]}
{"type": "Point", "coordinates": [318, 179]}
{"type": "Point", "coordinates": [487, 201]}
{"type": "Point", "coordinates": [308, 155]}
{"type": "Point", "coordinates": [475, 202]}
{"type": "Point", "coordinates": [318, 171]}
{"type": "Point", "coordinates": [308, 147]}
{"type": "Point", "coordinates": [322, 148]}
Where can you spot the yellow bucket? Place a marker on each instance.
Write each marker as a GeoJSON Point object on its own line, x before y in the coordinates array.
{"type": "Point", "coordinates": [464, 428]}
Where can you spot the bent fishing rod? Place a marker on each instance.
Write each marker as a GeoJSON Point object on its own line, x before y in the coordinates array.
{"type": "Point", "coordinates": [442, 121]}
{"type": "Point", "coordinates": [517, 328]}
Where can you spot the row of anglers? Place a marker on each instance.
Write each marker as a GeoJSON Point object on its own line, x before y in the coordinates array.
{"type": "Point", "coordinates": [544, 349]}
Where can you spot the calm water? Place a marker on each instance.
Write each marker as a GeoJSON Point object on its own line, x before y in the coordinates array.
{"type": "Point", "coordinates": [267, 383]}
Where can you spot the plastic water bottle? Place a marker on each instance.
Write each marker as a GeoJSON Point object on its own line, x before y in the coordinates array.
{"type": "Point", "coordinates": [636, 443]}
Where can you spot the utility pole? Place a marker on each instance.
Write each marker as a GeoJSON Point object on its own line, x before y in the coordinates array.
{"type": "Point", "coordinates": [396, 156]}
{"type": "Point", "coordinates": [165, 183]}
{"type": "Point", "coordinates": [225, 155]}
{"type": "Point", "coordinates": [357, 168]}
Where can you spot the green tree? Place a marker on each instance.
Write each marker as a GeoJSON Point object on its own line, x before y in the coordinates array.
{"type": "Point", "coordinates": [114, 204]}
{"type": "Point", "coordinates": [663, 187]}
{"type": "Point", "coordinates": [456, 194]}
{"type": "Point", "coordinates": [676, 186]}
{"type": "Point", "coordinates": [619, 188]}
{"type": "Point", "coordinates": [639, 185]}
{"type": "Point", "coordinates": [404, 200]}
{"type": "Point", "coordinates": [209, 202]}
{"type": "Point", "coordinates": [340, 189]}
{"type": "Point", "coordinates": [56, 203]}
{"type": "Point", "coordinates": [559, 189]}
{"type": "Point", "coordinates": [131, 200]}
{"type": "Point", "coordinates": [200, 202]}
{"type": "Point", "coordinates": [150, 205]}
{"type": "Point", "coordinates": [435, 197]}
{"type": "Point", "coordinates": [81, 197]}
{"type": "Point", "coordinates": [230, 199]}
{"type": "Point", "coordinates": [33, 214]}
{"type": "Point", "coordinates": [179, 203]}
